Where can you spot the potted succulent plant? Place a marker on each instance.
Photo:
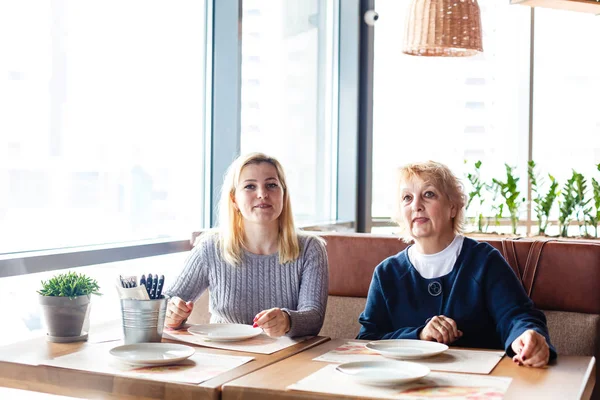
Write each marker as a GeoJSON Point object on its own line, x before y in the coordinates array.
{"type": "Point", "coordinates": [65, 301]}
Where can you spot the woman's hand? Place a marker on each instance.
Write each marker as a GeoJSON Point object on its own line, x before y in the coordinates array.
{"type": "Point", "coordinates": [274, 322]}
{"type": "Point", "coordinates": [177, 312]}
{"type": "Point", "coordinates": [531, 349]}
{"type": "Point", "coordinates": [440, 329]}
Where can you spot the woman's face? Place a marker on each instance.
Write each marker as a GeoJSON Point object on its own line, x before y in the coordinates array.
{"type": "Point", "coordinates": [259, 195]}
{"type": "Point", "coordinates": [425, 210]}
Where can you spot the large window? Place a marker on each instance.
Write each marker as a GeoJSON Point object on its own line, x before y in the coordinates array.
{"type": "Point", "coordinates": [460, 111]}
{"type": "Point", "coordinates": [287, 96]}
{"type": "Point", "coordinates": [566, 118]}
{"type": "Point", "coordinates": [449, 109]}
{"type": "Point", "coordinates": [101, 121]}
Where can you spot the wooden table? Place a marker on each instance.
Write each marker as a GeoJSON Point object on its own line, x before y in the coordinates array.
{"type": "Point", "coordinates": [16, 373]}
{"type": "Point", "coordinates": [571, 377]}
{"type": "Point", "coordinates": [18, 394]}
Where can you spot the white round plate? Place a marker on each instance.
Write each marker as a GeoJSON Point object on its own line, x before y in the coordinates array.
{"type": "Point", "coordinates": [406, 349]}
{"type": "Point", "coordinates": [147, 354]}
{"type": "Point", "coordinates": [383, 373]}
{"type": "Point", "coordinates": [224, 332]}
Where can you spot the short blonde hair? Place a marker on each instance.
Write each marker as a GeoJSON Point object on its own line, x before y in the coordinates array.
{"type": "Point", "coordinates": [230, 224]}
{"type": "Point", "coordinates": [440, 176]}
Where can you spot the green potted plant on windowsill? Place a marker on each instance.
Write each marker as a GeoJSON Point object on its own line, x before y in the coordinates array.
{"type": "Point", "coordinates": [65, 301]}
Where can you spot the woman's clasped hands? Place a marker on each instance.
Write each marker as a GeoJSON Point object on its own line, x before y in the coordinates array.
{"type": "Point", "coordinates": [441, 329]}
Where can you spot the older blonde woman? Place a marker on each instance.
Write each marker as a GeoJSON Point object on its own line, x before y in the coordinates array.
{"type": "Point", "coordinates": [259, 268]}
{"type": "Point", "coordinates": [446, 287]}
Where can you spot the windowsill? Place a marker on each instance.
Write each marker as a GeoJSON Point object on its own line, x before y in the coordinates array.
{"type": "Point", "coordinates": [80, 249]}
{"type": "Point", "coordinates": [335, 226]}
{"type": "Point", "coordinates": [35, 262]}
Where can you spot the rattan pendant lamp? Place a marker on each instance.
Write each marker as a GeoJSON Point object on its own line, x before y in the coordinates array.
{"type": "Point", "coordinates": [443, 28]}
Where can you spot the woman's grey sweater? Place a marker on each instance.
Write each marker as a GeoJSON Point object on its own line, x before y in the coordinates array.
{"type": "Point", "coordinates": [260, 282]}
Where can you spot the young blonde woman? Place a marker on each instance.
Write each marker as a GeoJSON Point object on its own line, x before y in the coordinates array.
{"type": "Point", "coordinates": [446, 287]}
{"type": "Point", "coordinates": [260, 270]}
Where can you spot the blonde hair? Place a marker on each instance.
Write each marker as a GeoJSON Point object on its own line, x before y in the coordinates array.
{"type": "Point", "coordinates": [230, 224]}
{"type": "Point", "coordinates": [440, 176]}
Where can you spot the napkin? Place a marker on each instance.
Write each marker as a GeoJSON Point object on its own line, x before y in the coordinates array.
{"type": "Point", "coordinates": [135, 293]}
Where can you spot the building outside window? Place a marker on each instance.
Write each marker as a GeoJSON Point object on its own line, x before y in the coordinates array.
{"type": "Point", "coordinates": [287, 91]}
{"type": "Point", "coordinates": [102, 129]}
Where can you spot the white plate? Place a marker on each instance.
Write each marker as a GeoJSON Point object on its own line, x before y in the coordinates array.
{"type": "Point", "coordinates": [383, 373]}
{"type": "Point", "coordinates": [146, 354]}
{"type": "Point", "coordinates": [406, 349]}
{"type": "Point", "coordinates": [224, 332]}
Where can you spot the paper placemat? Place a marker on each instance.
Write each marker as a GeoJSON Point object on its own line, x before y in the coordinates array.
{"type": "Point", "coordinates": [261, 344]}
{"type": "Point", "coordinates": [452, 360]}
{"type": "Point", "coordinates": [198, 368]}
{"type": "Point", "coordinates": [437, 385]}
{"type": "Point", "coordinates": [111, 334]}
{"type": "Point", "coordinates": [350, 352]}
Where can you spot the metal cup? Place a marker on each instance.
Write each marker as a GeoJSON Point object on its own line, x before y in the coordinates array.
{"type": "Point", "coordinates": [143, 320]}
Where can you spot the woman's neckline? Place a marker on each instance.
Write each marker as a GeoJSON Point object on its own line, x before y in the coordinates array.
{"type": "Point", "coordinates": [249, 254]}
